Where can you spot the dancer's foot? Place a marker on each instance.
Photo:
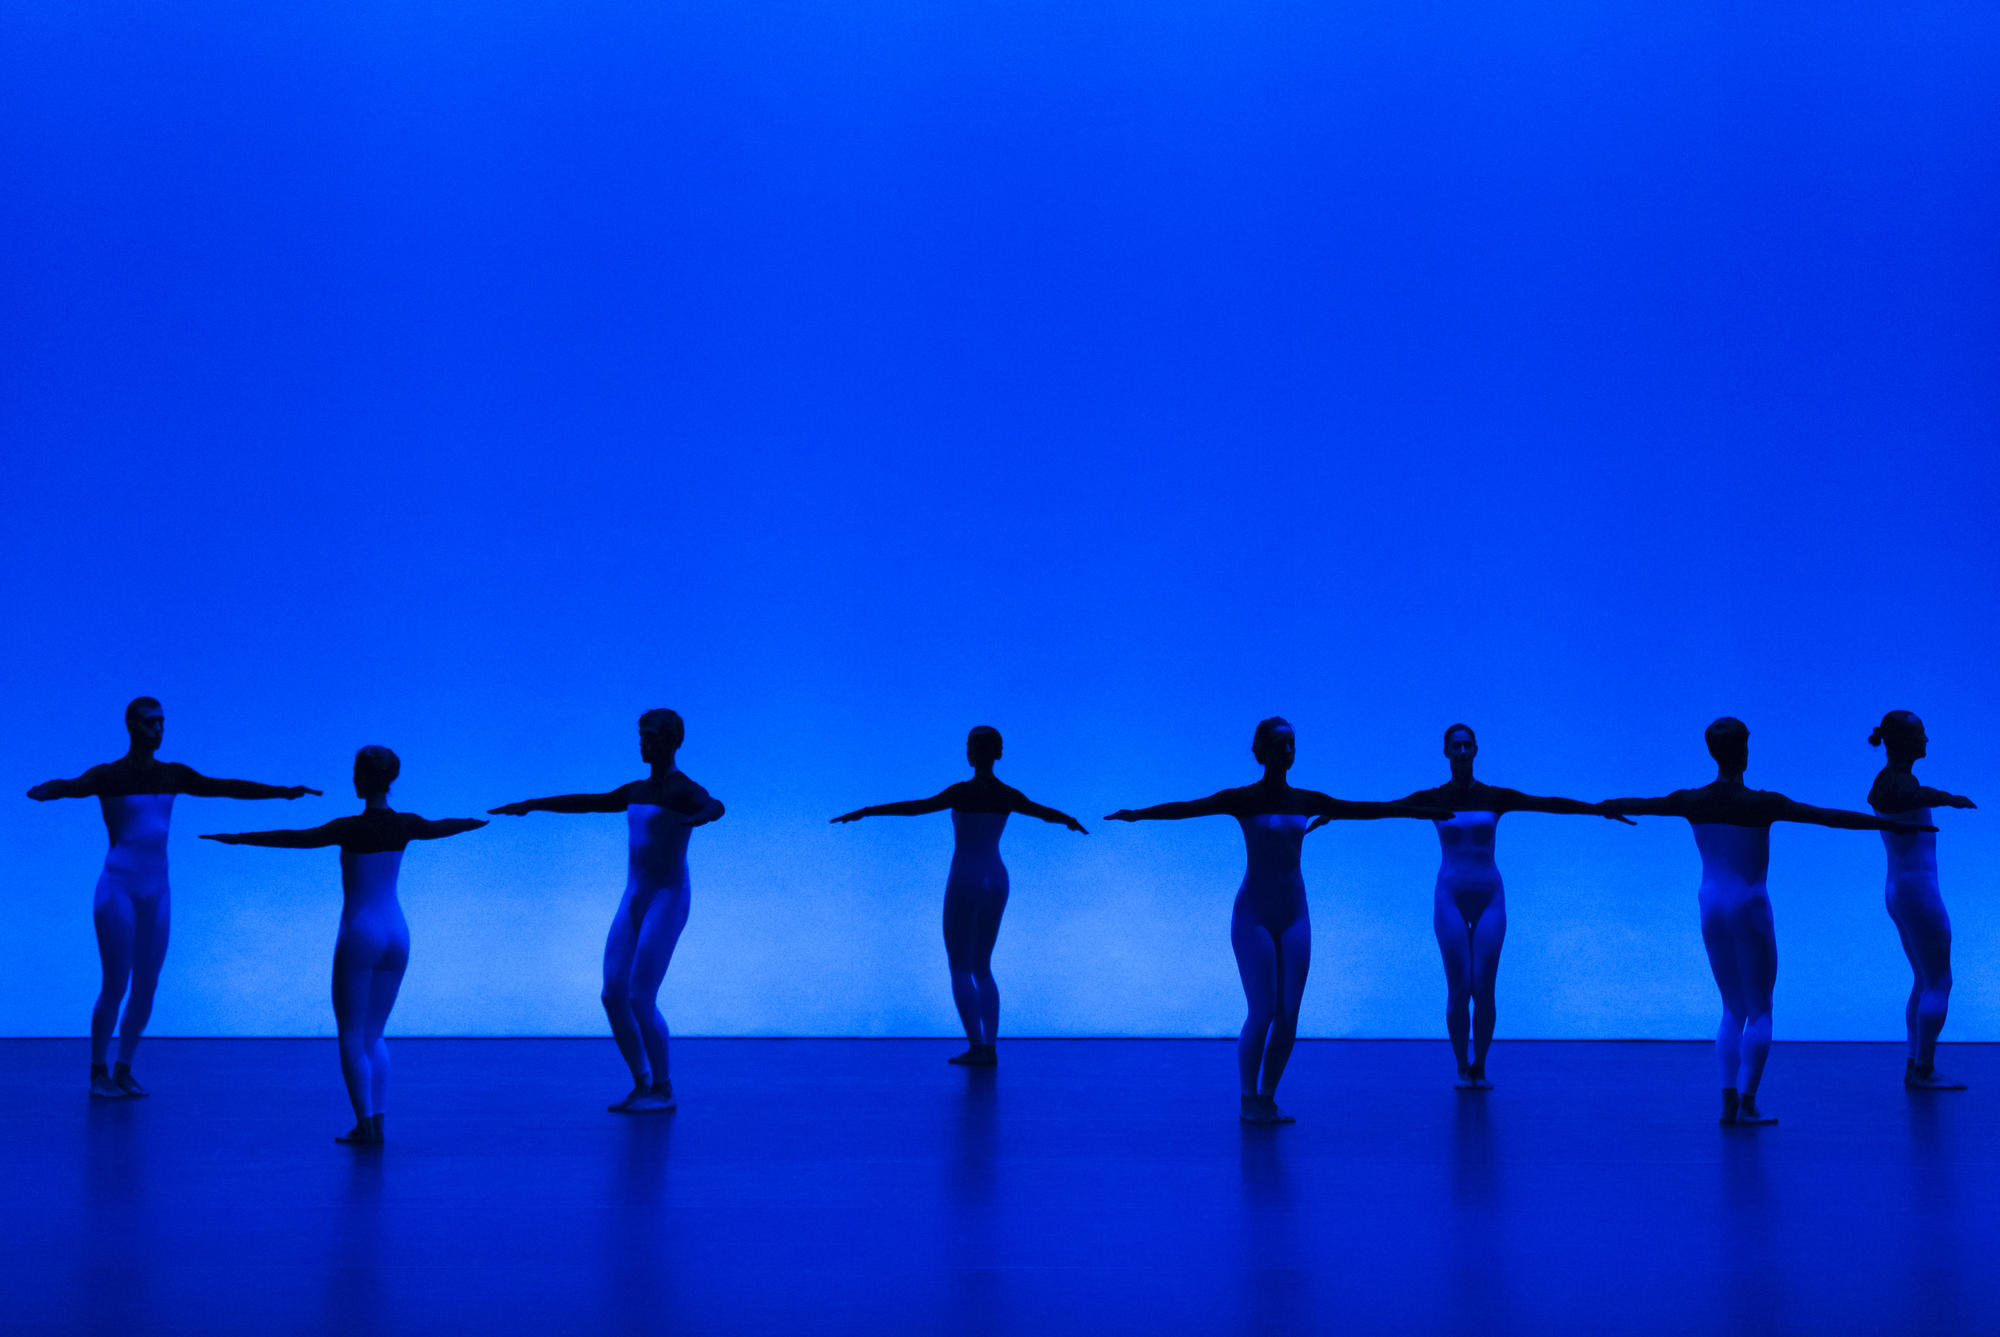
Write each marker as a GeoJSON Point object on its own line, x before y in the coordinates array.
{"type": "Point", "coordinates": [976, 1056]}
{"type": "Point", "coordinates": [361, 1135]}
{"type": "Point", "coordinates": [1262, 1110]}
{"type": "Point", "coordinates": [1475, 1078]}
{"type": "Point", "coordinates": [663, 1092]}
{"type": "Point", "coordinates": [102, 1087]}
{"type": "Point", "coordinates": [1923, 1077]}
{"type": "Point", "coordinates": [1749, 1116]}
{"type": "Point", "coordinates": [642, 1100]}
{"type": "Point", "coordinates": [1732, 1106]}
{"type": "Point", "coordinates": [1464, 1082]}
{"type": "Point", "coordinates": [376, 1120]}
{"type": "Point", "coordinates": [121, 1077]}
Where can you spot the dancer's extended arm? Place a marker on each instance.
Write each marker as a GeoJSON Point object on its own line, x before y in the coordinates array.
{"type": "Point", "coordinates": [1218, 804]}
{"type": "Point", "coordinates": [188, 780]}
{"type": "Point", "coordinates": [1329, 809]}
{"type": "Point", "coordinates": [314, 838]}
{"type": "Point", "coordinates": [84, 786]}
{"type": "Point", "coordinates": [915, 807]}
{"type": "Point", "coordinates": [1028, 807]}
{"type": "Point", "coordinates": [1789, 810]}
{"type": "Point", "coordinates": [1890, 795]}
{"type": "Point", "coordinates": [1516, 801]}
{"type": "Point", "coordinates": [423, 828]}
{"type": "Point", "coordinates": [616, 801]}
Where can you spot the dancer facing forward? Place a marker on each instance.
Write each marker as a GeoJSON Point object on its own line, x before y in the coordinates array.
{"type": "Point", "coordinates": [372, 949]}
{"type": "Point", "coordinates": [131, 909]}
{"type": "Point", "coordinates": [975, 891]}
{"type": "Point", "coordinates": [1269, 928]}
{"type": "Point", "coordinates": [1470, 917]}
{"type": "Point", "coordinates": [660, 811]}
{"type": "Point", "coordinates": [1732, 829]}
{"type": "Point", "coordinates": [1914, 902]}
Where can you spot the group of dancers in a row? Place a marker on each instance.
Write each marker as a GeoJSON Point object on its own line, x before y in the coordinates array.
{"type": "Point", "coordinates": [1270, 930]}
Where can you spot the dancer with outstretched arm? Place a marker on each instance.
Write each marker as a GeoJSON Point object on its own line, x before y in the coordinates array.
{"type": "Point", "coordinates": [975, 891]}
{"type": "Point", "coordinates": [1470, 914]}
{"type": "Point", "coordinates": [660, 812]}
{"type": "Point", "coordinates": [1915, 904]}
{"type": "Point", "coordinates": [1269, 928]}
{"type": "Point", "coordinates": [372, 949]}
{"type": "Point", "coordinates": [1732, 829]}
{"type": "Point", "coordinates": [132, 907]}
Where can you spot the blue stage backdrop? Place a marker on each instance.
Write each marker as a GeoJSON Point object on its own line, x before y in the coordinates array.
{"type": "Point", "coordinates": [468, 378]}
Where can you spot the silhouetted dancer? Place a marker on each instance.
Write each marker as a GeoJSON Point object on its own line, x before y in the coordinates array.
{"type": "Point", "coordinates": [1470, 917]}
{"type": "Point", "coordinates": [1914, 902]}
{"type": "Point", "coordinates": [1269, 929]}
{"type": "Point", "coordinates": [131, 909]}
{"type": "Point", "coordinates": [975, 892]}
{"type": "Point", "coordinates": [1732, 829]}
{"type": "Point", "coordinates": [372, 948]}
{"type": "Point", "coordinates": [660, 811]}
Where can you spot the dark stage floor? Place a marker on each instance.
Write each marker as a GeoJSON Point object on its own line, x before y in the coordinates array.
{"type": "Point", "coordinates": [862, 1186]}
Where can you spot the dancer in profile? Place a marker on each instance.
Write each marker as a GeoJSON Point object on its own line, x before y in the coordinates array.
{"type": "Point", "coordinates": [1732, 829]}
{"type": "Point", "coordinates": [131, 910]}
{"type": "Point", "coordinates": [975, 892]}
{"type": "Point", "coordinates": [659, 811]}
{"type": "Point", "coordinates": [372, 948]}
{"type": "Point", "coordinates": [1470, 917]}
{"type": "Point", "coordinates": [1914, 902]}
{"type": "Point", "coordinates": [1269, 928]}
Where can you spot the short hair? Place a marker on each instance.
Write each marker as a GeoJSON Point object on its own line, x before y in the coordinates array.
{"type": "Point", "coordinates": [1465, 729]}
{"type": "Point", "coordinates": [1265, 728]}
{"type": "Point", "coordinates": [1896, 721]}
{"type": "Point", "coordinates": [667, 722]}
{"type": "Point", "coordinates": [376, 768]}
{"type": "Point", "coordinates": [983, 743]}
{"type": "Point", "coordinates": [138, 706]}
{"type": "Point", "coordinates": [1727, 732]}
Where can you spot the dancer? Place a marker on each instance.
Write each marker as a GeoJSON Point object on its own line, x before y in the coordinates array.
{"type": "Point", "coordinates": [372, 948]}
{"type": "Point", "coordinates": [1470, 917]}
{"type": "Point", "coordinates": [131, 909]}
{"type": "Point", "coordinates": [1732, 829]}
{"type": "Point", "coordinates": [1269, 928]}
{"type": "Point", "coordinates": [659, 811]}
{"type": "Point", "coordinates": [1914, 902]}
{"type": "Point", "coordinates": [975, 892]}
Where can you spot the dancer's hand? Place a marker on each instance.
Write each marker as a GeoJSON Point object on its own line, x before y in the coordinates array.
{"type": "Point", "coordinates": [224, 840]}
{"type": "Point", "coordinates": [295, 791]}
{"type": "Point", "coordinates": [854, 816]}
{"type": "Point", "coordinates": [43, 792]}
{"type": "Point", "coordinates": [1122, 815]}
{"type": "Point", "coordinates": [1957, 801]}
{"type": "Point", "coordinates": [1075, 826]}
{"type": "Point", "coordinates": [511, 810]}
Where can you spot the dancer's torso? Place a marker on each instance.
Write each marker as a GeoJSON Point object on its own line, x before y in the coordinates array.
{"type": "Point", "coordinates": [1272, 883]}
{"type": "Point", "coordinates": [368, 890]}
{"type": "Point", "coordinates": [137, 827]}
{"type": "Point", "coordinates": [658, 850]}
{"type": "Point", "coordinates": [1467, 873]}
{"type": "Point", "coordinates": [1734, 860]}
{"type": "Point", "coordinates": [975, 851]}
{"type": "Point", "coordinates": [1912, 855]}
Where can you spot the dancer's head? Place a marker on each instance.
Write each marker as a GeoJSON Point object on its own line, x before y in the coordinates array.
{"type": "Point", "coordinates": [660, 735]}
{"type": "Point", "coordinates": [982, 745]}
{"type": "Point", "coordinates": [1461, 745]}
{"type": "Point", "coordinates": [1902, 733]}
{"type": "Point", "coordinates": [375, 769]}
{"type": "Point", "coordinates": [1274, 744]}
{"type": "Point", "coordinates": [1728, 742]}
{"type": "Point", "coordinates": [146, 722]}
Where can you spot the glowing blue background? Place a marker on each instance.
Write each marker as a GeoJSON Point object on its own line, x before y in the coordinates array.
{"type": "Point", "coordinates": [468, 378]}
